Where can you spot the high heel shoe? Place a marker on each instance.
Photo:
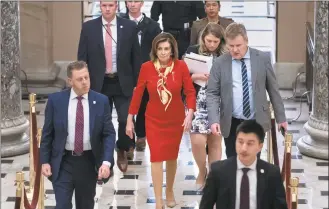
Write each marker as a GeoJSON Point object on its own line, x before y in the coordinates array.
{"type": "Point", "coordinates": [199, 187]}
{"type": "Point", "coordinates": [171, 204]}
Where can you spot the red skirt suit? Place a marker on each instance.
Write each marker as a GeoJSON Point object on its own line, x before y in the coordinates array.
{"type": "Point", "coordinates": [164, 128]}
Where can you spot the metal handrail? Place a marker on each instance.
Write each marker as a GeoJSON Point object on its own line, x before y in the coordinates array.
{"type": "Point", "coordinates": [309, 60]}
{"type": "Point", "coordinates": [310, 35]}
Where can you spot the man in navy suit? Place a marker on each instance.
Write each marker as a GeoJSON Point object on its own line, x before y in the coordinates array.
{"type": "Point", "coordinates": [109, 45]}
{"type": "Point", "coordinates": [245, 181]}
{"type": "Point", "coordinates": [78, 140]}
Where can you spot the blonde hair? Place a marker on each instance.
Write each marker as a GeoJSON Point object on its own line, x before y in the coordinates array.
{"type": "Point", "coordinates": [216, 30]}
{"type": "Point", "coordinates": [164, 37]}
{"type": "Point", "coordinates": [235, 29]}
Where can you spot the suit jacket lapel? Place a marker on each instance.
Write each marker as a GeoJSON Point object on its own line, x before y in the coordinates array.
{"type": "Point", "coordinates": [142, 37]}
{"type": "Point", "coordinates": [99, 33]}
{"type": "Point", "coordinates": [119, 34]}
{"type": "Point", "coordinates": [142, 32]}
{"type": "Point", "coordinates": [92, 112]}
{"type": "Point", "coordinates": [229, 77]}
{"type": "Point", "coordinates": [66, 100]}
{"type": "Point", "coordinates": [232, 178]}
{"type": "Point", "coordinates": [254, 63]}
{"type": "Point", "coordinates": [261, 173]}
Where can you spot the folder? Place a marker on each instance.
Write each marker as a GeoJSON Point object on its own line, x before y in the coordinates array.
{"type": "Point", "coordinates": [198, 64]}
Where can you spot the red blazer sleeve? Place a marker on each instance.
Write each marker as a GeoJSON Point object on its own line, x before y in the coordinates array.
{"type": "Point", "coordinates": [189, 89]}
{"type": "Point", "coordinates": [138, 91]}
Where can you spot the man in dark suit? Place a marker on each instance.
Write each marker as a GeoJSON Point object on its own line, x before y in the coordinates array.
{"type": "Point", "coordinates": [147, 30]}
{"type": "Point", "coordinates": [109, 45]}
{"type": "Point", "coordinates": [245, 182]}
{"type": "Point", "coordinates": [78, 140]}
{"type": "Point", "coordinates": [177, 19]}
{"type": "Point", "coordinates": [212, 9]}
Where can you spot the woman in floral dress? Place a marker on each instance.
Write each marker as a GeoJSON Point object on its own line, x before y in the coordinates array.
{"type": "Point", "coordinates": [211, 43]}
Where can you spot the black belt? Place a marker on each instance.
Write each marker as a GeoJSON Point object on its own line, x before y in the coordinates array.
{"type": "Point", "coordinates": [72, 153]}
{"type": "Point", "coordinates": [111, 75]}
{"type": "Point", "coordinates": [238, 119]}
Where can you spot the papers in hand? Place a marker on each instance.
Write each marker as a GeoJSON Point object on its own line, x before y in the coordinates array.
{"type": "Point", "coordinates": [198, 64]}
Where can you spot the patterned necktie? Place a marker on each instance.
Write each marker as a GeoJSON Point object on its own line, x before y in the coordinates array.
{"type": "Point", "coordinates": [245, 89]}
{"type": "Point", "coordinates": [244, 190]}
{"type": "Point", "coordinates": [78, 141]}
{"type": "Point", "coordinates": [108, 48]}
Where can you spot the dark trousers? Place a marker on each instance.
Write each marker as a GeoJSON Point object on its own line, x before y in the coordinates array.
{"type": "Point", "coordinates": [231, 139]}
{"type": "Point", "coordinates": [140, 120]}
{"type": "Point", "coordinates": [182, 37]}
{"type": "Point", "coordinates": [77, 173]}
{"type": "Point", "coordinates": [112, 89]}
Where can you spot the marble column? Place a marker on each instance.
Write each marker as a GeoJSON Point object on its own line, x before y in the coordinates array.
{"type": "Point", "coordinates": [315, 144]}
{"type": "Point", "coordinates": [14, 125]}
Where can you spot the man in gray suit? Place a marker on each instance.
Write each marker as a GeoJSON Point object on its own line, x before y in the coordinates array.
{"type": "Point", "coordinates": [237, 89]}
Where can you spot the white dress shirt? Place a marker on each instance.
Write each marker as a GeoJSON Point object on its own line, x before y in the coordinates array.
{"type": "Point", "coordinates": [72, 110]}
{"type": "Point", "coordinates": [73, 102]}
{"type": "Point", "coordinates": [238, 88]}
{"type": "Point", "coordinates": [138, 19]}
{"type": "Point", "coordinates": [252, 175]}
{"type": "Point", "coordinates": [114, 34]}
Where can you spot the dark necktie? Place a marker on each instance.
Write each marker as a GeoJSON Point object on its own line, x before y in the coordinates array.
{"type": "Point", "coordinates": [78, 141]}
{"type": "Point", "coordinates": [244, 190]}
{"type": "Point", "coordinates": [245, 89]}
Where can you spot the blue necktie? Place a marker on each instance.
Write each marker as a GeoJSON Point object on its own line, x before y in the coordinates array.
{"type": "Point", "coordinates": [245, 88]}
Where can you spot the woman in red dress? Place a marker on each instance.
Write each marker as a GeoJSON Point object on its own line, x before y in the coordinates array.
{"type": "Point", "coordinates": [164, 77]}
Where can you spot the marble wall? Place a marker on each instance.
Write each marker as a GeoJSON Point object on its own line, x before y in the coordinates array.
{"type": "Point", "coordinates": [36, 39]}
{"type": "Point", "coordinates": [50, 34]}
{"type": "Point", "coordinates": [291, 30]}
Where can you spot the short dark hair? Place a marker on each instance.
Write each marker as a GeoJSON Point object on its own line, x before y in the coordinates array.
{"type": "Point", "coordinates": [218, 2]}
{"type": "Point", "coordinates": [251, 126]}
{"type": "Point", "coordinates": [76, 65]}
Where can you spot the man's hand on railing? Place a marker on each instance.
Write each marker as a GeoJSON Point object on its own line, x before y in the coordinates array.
{"type": "Point", "coordinates": [46, 170]}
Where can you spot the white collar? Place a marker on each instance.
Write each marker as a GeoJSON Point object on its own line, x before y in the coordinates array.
{"type": "Point", "coordinates": [240, 165]}
{"type": "Point", "coordinates": [138, 18]}
{"type": "Point", "coordinates": [112, 23]}
{"type": "Point", "coordinates": [74, 95]}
